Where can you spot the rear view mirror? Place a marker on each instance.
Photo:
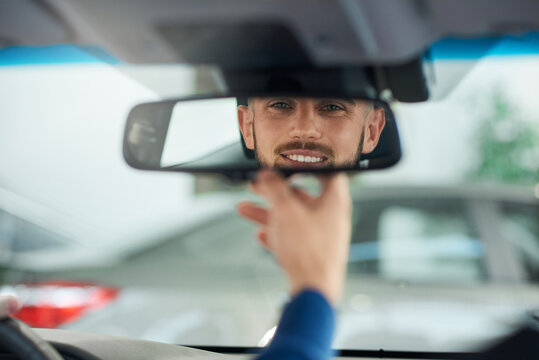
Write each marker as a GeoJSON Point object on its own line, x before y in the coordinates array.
{"type": "Point", "coordinates": [236, 135]}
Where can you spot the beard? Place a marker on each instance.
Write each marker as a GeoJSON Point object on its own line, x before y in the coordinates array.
{"type": "Point", "coordinates": [351, 163]}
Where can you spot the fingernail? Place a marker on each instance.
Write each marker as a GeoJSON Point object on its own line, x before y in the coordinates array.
{"type": "Point", "coordinates": [263, 174]}
{"type": "Point", "coordinates": [13, 306]}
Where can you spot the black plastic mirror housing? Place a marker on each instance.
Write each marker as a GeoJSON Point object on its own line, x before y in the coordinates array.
{"type": "Point", "coordinates": [203, 134]}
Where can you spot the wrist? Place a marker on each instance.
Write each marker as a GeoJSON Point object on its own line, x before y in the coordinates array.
{"type": "Point", "coordinates": [331, 291]}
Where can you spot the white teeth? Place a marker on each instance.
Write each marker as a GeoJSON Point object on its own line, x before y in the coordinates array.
{"type": "Point", "coordinates": [301, 158]}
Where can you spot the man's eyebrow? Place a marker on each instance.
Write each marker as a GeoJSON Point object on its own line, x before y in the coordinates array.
{"type": "Point", "coordinates": [285, 98]}
{"type": "Point", "coordinates": [350, 101]}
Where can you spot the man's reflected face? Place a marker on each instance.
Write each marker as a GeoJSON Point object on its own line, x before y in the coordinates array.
{"type": "Point", "coordinates": [310, 132]}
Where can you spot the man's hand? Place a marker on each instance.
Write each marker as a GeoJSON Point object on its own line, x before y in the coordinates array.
{"type": "Point", "coordinates": [309, 236]}
{"type": "Point", "coordinates": [9, 305]}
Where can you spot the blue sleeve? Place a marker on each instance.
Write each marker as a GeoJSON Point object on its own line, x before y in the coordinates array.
{"type": "Point", "coordinates": [305, 330]}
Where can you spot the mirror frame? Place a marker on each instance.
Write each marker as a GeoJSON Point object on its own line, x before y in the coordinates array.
{"type": "Point", "coordinates": [163, 110]}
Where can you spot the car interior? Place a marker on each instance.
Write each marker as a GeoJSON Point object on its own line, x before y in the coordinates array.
{"type": "Point", "coordinates": [381, 54]}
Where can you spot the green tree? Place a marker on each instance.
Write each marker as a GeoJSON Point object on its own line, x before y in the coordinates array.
{"type": "Point", "coordinates": [508, 144]}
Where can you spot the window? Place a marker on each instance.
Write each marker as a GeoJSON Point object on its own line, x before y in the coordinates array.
{"type": "Point", "coordinates": [520, 226]}
{"type": "Point", "coordinates": [419, 240]}
{"type": "Point", "coordinates": [18, 235]}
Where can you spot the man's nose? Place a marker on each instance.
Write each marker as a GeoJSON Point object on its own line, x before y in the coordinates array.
{"type": "Point", "coordinates": [305, 126]}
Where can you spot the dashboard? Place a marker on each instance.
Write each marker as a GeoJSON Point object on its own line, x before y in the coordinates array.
{"type": "Point", "coordinates": [73, 345]}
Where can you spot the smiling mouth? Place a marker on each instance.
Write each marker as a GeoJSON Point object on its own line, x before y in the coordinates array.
{"type": "Point", "coordinates": [304, 158]}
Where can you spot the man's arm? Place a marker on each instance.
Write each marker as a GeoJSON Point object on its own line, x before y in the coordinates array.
{"type": "Point", "coordinates": [305, 330]}
{"type": "Point", "coordinates": [309, 237]}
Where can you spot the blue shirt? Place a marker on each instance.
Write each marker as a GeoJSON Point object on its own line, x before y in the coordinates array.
{"type": "Point", "coordinates": [305, 330]}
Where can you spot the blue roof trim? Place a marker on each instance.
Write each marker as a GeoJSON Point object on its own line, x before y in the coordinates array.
{"type": "Point", "coordinates": [54, 54]}
{"type": "Point", "coordinates": [448, 48]}
{"type": "Point", "coordinates": [471, 49]}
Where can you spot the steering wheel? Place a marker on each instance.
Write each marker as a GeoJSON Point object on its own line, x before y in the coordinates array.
{"type": "Point", "coordinates": [21, 340]}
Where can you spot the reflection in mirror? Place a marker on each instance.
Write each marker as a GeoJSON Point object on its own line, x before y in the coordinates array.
{"type": "Point", "coordinates": [293, 132]}
{"type": "Point", "coordinates": [198, 128]}
{"type": "Point", "coordinates": [244, 133]}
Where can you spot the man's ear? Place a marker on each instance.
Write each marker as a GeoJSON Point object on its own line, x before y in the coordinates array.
{"type": "Point", "coordinates": [245, 120]}
{"type": "Point", "coordinates": [374, 124]}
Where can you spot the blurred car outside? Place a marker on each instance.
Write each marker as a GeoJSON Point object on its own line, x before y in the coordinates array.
{"type": "Point", "coordinates": [466, 256]}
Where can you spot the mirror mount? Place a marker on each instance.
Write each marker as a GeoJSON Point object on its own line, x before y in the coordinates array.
{"type": "Point", "coordinates": [341, 82]}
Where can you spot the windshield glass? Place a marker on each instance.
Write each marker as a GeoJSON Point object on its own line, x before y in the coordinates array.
{"type": "Point", "coordinates": [445, 245]}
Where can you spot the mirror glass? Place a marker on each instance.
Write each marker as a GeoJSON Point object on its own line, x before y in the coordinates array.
{"type": "Point", "coordinates": [198, 128]}
{"type": "Point", "coordinates": [240, 133]}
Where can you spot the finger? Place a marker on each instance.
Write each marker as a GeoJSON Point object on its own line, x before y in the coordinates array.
{"type": "Point", "coordinates": [273, 187]}
{"type": "Point", "coordinates": [253, 212]}
{"type": "Point", "coordinates": [262, 236]}
{"type": "Point", "coordinates": [303, 195]}
{"type": "Point", "coordinates": [335, 187]}
{"type": "Point", "coordinates": [254, 187]}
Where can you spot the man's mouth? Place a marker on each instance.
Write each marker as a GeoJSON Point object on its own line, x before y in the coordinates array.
{"type": "Point", "coordinates": [304, 157]}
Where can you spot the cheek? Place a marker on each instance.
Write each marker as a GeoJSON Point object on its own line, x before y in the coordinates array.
{"type": "Point", "coordinates": [267, 135]}
{"type": "Point", "coordinates": [345, 138]}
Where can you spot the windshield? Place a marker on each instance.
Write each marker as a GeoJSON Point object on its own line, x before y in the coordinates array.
{"type": "Point", "coordinates": [445, 246]}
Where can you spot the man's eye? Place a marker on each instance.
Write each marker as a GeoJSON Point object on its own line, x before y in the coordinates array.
{"type": "Point", "coordinates": [332, 107]}
{"type": "Point", "coordinates": [281, 105]}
